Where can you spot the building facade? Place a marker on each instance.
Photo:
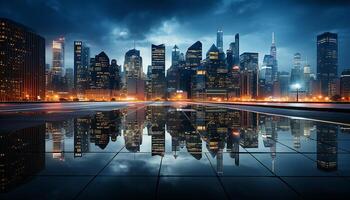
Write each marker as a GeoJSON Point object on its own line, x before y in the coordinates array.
{"type": "Point", "coordinates": [327, 61]}
{"type": "Point", "coordinates": [158, 72]}
{"type": "Point", "coordinates": [22, 63]}
{"type": "Point", "coordinates": [345, 84]}
{"type": "Point", "coordinates": [249, 75]}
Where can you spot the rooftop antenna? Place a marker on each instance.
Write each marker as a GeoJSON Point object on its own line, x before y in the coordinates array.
{"type": "Point", "coordinates": [134, 44]}
{"type": "Point", "coordinates": [273, 37]}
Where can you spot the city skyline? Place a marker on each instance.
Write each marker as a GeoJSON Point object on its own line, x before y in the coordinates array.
{"type": "Point", "coordinates": [183, 24]}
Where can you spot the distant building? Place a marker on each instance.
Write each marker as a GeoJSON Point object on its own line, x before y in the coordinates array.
{"type": "Point", "coordinates": [22, 63]}
{"type": "Point", "coordinates": [220, 40]}
{"type": "Point", "coordinates": [115, 82]}
{"type": "Point", "coordinates": [345, 84]}
{"type": "Point", "coordinates": [104, 78]}
{"type": "Point", "coordinates": [193, 60]}
{"type": "Point", "coordinates": [173, 73]}
{"type": "Point", "coordinates": [58, 80]}
{"type": "Point", "coordinates": [283, 79]}
{"type": "Point", "coordinates": [175, 56]}
{"type": "Point", "coordinates": [273, 53]}
{"type": "Point", "coordinates": [327, 61]}
{"type": "Point", "coordinates": [99, 71]}
{"type": "Point", "coordinates": [69, 79]}
{"type": "Point", "coordinates": [81, 68]}
{"type": "Point", "coordinates": [216, 74]}
{"type": "Point", "coordinates": [134, 83]}
{"type": "Point", "coordinates": [198, 80]}
{"type": "Point", "coordinates": [232, 60]}
{"type": "Point", "coordinates": [266, 74]}
{"type": "Point", "coordinates": [158, 71]}
{"type": "Point", "coordinates": [249, 75]}
{"type": "Point", "coordinates": [148, 80]}
{"type": "Point", "coordinates": [297, 72]}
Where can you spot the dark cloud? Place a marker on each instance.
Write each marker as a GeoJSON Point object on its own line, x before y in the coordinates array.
{"type": "Point", "coordinates": [105, 22]}
{"type": "Point", "coordinates": [92, 18]}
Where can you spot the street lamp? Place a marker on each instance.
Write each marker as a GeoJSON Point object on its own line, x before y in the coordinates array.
{"type": "Point", "coordinates": [297, 87]}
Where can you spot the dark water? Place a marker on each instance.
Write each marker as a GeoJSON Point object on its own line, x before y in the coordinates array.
{"type": "Point", "coordinates": [176, 152]}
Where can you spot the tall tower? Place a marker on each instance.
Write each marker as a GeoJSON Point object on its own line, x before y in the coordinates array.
{"type": "Point", "coordinates": [81, 64]}
{"type": "Point", "coordinates": [175, 56]}
{"type": "Point", "coordinates": [327, 62]}
{"type": "Point", "coordinates": [22, 63]}
{"type": "Point", "coordinates": [273, 53]}
{"type": "Point", "coordinates": [58, 56]}
{"type": "Point", "coordinates": [158, 71]}
{"type": "Point", "coordinates": [220, 40]}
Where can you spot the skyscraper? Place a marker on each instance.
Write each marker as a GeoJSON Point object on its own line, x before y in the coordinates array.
{"type": "Point", "coordinates": [249, 75]}
{"type": "Point", "coordinates": [216, 74]}
{"type": "Point", "coordinates": [115, 76]}
{"type": "Point", "coordinates": [58, 56]}
{"type": "Point", "coordinates": [296, 75]}
{"type": "Point", "coordinates": [134, 83]}
{"type": "Point", "coordinates": [266, 74]}
{"type": "Point", "coordinates": [81, 67]}
{"type": "Point", "coordinates": [273, 53]}
{"type": "Point", "coordinates": [22, 63]}
{"type": "Point", "coordinates": [99, 71]}
{"type": "Point", "coordinates": [345, 84]}
{"type": "Point", "coordinates": [327, 61]}
{"type": "Point", "coordinates": [232, 60]}
{"type": "Point", "coordinates": [175, 56]}
{"type": "Point", "coordinates": [193, 60]}
{"type": "Point", "coordinates": [220, 40]}
{"type": "Point", "coordinates": [158, 71]}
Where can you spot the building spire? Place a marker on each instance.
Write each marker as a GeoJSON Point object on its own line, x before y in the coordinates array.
{"type": "Point", "coordinates": [273, 37]}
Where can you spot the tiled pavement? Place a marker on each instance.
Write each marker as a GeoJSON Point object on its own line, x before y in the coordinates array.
{"type": "Point", "coordinates": [114, 173]}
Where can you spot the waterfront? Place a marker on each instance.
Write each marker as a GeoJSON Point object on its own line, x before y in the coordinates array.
{"type": "Point", "coordinates": [166, 150]}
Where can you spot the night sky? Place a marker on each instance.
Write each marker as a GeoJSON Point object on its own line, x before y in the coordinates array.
{"type": "Point", "coordinates": [112, 26]}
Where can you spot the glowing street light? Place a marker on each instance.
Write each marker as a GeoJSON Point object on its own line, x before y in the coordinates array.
{"type": "Point", "coordinates": [297, 86]}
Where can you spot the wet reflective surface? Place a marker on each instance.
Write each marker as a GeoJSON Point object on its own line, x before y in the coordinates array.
{"type": "Point", "coordinates": [176, 151]}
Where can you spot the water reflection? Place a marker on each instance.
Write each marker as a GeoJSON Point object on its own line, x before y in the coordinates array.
{"type": "Point", "coordinates": [218, 134]}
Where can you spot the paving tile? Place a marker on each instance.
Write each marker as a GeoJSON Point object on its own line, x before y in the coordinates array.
{"type": "Point", "coordinates": [185, 164]}
{"type": "Point", "coordinates": [67, 164]}
{"type": "Point", "coordinates": [107, 187]}
{"type": "Point", "coordinates": [320, 187]}
{"type": "Point", "coordinates": [257, 188]}
{"type": "Point", "coordinates": [242, 164]}
{"type": "Point", "coordinates": [190, 188]}
{"type": "Point", "coordinates": [292, 165]}
{"type": "Point", "coordinates": [133, 164]}
{"type": "Point", "coordinates": [48, 187]}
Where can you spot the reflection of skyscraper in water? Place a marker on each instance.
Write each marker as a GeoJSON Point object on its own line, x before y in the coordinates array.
{"type": "Point", "coordinates": [194, 143]}
{"type": "Point", "coordinates": [134, 120]}
{"type": "Point", "coordinates": [22, 156]}
{"type": "Point", "coordinates": [297, 131]}
{"type": "Point", "coordinates": [327, 146]}
{"type": "Point", "coordinates": [81, 135]}
{"type": "Point", "coordinates": [157, 129]}
{"type": "Point", "coordinates": [233, 135]}
{"type": "Point", "coordinates": [173, 127]}
{"type": "Point", "coordinates": [217, 130]}
{"type": "Point", "coordinates": [103, 126]}
{"type": "Point", "coordinates": [268, 129]}
{"type": "Point", "coordinates": [308, 128]}
{"type": "Point", "coordinates": [57, 132]}
{"type": "Point", "coordinates": [233, 144]}
{"type": "Point", "coordinates": [249, 132]}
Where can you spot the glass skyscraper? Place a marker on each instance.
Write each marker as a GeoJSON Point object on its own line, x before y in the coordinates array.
{"type": "Point", "coordinates": [327, 62]}
{"type": "Point", "coordinates": [22, 63]}
{"type": "Point", "coordinates": [158, 71]}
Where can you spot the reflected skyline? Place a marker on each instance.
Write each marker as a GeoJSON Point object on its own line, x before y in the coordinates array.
{"type": "Point", "coordinates": [182, 137]}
